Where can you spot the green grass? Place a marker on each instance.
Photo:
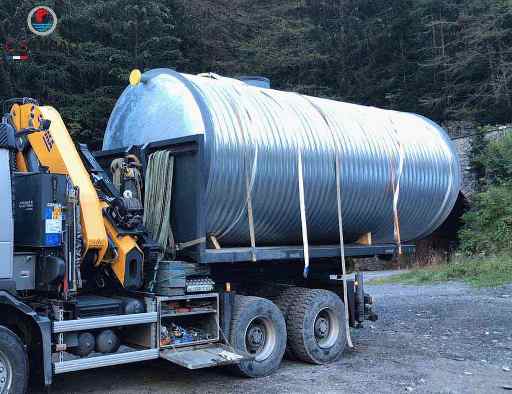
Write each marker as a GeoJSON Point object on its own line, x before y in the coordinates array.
{"type": "Point", "coordinates": [476, 271]}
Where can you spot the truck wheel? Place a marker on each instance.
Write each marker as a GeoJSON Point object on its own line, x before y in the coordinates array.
{"type": "Point", "coordinates": [258, 328]}
{"type": "Point", "coordinates": [13, 363]}
{"type": "Point", "coordinates": [316, 326]}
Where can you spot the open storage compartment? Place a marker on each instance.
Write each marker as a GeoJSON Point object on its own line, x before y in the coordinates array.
{"type": "Point", "coordinates": [188, 320]}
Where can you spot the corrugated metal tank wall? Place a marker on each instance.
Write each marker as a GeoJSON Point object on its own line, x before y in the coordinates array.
{"type": "Point", "coordinates": [256, 134]}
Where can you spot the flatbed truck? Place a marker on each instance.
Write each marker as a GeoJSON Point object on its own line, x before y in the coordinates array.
{"type": "Point", "coordinates": [76, 263]}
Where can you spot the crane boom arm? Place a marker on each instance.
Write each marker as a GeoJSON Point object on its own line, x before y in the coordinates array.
{"type": "Point", "coordinates": [54, 149]}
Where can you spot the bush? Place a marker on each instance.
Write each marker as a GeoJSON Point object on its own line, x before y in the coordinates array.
{"type": "Point", "coordinates": [488, 225]}
{"type": "Point", "coordinates": [497, 160]}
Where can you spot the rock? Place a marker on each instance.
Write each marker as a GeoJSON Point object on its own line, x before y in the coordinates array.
{"type": "Point", "coordinates": [506, 369]}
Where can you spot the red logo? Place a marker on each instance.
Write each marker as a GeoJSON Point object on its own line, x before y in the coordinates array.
{"type": "Point", "coordinates": [40, 15]}
{"type": "Point", "coordinates": [42, 20]}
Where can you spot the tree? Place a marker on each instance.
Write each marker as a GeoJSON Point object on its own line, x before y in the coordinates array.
{"type": "Point", "coordinates": [82, 68]}
{"type": "Point", "coordinates": [446, 60]}
{"type": "Point", "coordinates": [470, 60]}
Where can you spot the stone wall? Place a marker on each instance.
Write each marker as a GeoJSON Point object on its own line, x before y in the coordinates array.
{"type": "Point", "coordinates": [463, 146]}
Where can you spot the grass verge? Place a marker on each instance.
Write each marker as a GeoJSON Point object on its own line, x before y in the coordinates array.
{"type": "Point", "coordinates": [476, 271]}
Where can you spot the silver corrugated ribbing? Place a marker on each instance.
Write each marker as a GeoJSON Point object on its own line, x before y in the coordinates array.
{"type": "Point", "coordinates": [253, 138]}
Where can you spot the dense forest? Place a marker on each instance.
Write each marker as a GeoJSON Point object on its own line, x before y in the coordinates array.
{"type": "Point", "coordinates": [450, 60]}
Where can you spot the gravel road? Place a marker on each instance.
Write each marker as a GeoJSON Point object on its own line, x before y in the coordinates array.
{"type": "Point", "coordinates": [446, 338]}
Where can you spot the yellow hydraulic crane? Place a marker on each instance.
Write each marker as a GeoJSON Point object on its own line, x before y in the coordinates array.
{"type": "Point", "coordinates": [43, 139]}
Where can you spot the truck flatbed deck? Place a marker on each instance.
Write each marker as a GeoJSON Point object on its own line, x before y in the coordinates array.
{"type": "Point", "coordinates": [285, 253]}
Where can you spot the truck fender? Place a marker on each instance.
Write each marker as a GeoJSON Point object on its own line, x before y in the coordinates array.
{"type": "Point", "coordinates": [38, 328]}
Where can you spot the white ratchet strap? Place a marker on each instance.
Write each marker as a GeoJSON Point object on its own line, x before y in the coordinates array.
{"type": "Point", "coordinates": [249, 182]}
{"type": "Point", "coordinates": [303, 215]}
{"type": "Point", "coordinates": [396, 194]}
{"type": "Point", "coordinates": [189, 244]}
{"type": "Point", "coordinates": [342, 253]}
{"type": "Point", "coordinates": [251, 218]}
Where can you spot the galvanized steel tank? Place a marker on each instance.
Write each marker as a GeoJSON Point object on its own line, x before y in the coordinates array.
{"type": "Point", "coordinates": [253, 136]}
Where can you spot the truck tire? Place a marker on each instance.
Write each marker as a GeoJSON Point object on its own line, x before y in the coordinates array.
{"type": "Point", "coordinates": [257, 328]}
{"type": "Point", "coordinates": [285, 298]}
{"type": "Point", "coordinates": [316, 326]}
{"type": "Point", "coordinates": [283, 301]}
{"type": "Point", "coordinates": [13, 363]}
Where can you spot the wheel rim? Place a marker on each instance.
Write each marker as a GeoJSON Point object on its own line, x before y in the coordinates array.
{"type": "Point", "coordinates": [5, 373]}
{"type": "Point", "coordinates": [260, 338]}
{"type": "Point", "coordinates": [327, 328]}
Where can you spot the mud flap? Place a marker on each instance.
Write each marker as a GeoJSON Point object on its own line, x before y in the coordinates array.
{"type": "Point", "coordinates": [202, 357]}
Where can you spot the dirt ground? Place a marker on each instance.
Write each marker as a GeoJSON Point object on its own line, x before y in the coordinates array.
{"type": "Point", "coordinates": [445, 338]}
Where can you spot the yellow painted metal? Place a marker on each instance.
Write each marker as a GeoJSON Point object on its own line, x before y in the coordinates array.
{"type": "Point", "coordinates": [21, 163]}
{"type": "Point", "coordinates": [135, 77]}
{"type": "Point", "coordinates": [55, 149]}
{"type": "Point", "coordinates": [124, 244]}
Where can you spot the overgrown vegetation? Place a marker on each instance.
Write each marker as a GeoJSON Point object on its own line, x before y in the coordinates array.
{"type": "Point", "coordinates": [482, 271]}
{"type": "Point", "coordinates": [444, 59]}
{"type": "Point", "coordinates": [488, 225]}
